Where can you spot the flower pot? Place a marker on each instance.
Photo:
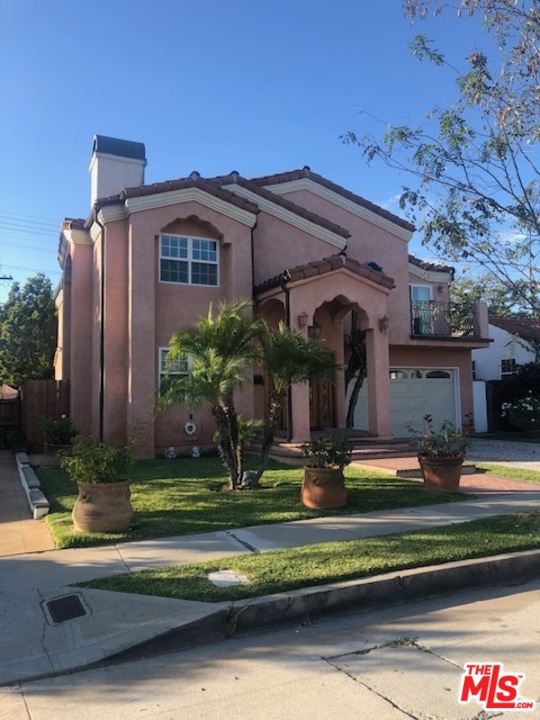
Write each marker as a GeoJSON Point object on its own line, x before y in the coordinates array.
{"type": "Point", "coordinates": [441, 474]}
{"type": "Point", "coordinates": [54, 453]}
{"type": "Point", "coordinates": [103, 507]}
{"type": "Point", "coordinates": [323, 488]}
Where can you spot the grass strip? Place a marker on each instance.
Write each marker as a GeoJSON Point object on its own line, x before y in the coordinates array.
{"type": "Point", "coordinates": [184, 496]}
{"type": "Point", "coordinates": [324, 563]}
{"type": "Point", "coordinates": [514, 473]}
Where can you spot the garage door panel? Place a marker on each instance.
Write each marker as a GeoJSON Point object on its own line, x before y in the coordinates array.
{"type": "Point", "coordinates": [417, 392]}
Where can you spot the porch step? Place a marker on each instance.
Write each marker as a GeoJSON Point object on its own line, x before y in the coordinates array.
{"type": "Point", "coordinates": [363, 448]}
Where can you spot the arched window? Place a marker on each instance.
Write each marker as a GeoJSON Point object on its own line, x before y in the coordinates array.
{"type": "Point", "coordinates": [438, 375]}
{"type": "Point", "coordinates": [398, 374]}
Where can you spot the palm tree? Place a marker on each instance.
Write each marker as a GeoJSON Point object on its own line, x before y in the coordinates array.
{"type": "Point", "coordinates": [288, 358]}
{"type": "Point", "coordinates": [220, 347]}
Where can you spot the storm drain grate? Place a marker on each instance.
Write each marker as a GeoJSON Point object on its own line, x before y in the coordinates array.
{"type": "Point", "coordinates": [65, 608]}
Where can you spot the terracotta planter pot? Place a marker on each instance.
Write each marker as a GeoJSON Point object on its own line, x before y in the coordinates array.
{"type": "Point", "coordinates": [103, 507]}
{"type": "Point", "coordinates": [441, 474]}
{"type": "Point", "coordinates": [54, 453]}
{"type": "Point", "coordinates": [323, 488]}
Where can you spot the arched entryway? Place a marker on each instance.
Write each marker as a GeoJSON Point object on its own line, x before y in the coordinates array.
{"type": "Point", "coordinates": [318, 299]}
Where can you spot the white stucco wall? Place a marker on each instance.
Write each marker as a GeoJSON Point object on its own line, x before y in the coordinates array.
{"type": "Point", "coordinates": [504, 346]}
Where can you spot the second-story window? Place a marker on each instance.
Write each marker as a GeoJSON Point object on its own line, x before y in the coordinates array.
{"type": "Point", "coordinates": [188, 260]}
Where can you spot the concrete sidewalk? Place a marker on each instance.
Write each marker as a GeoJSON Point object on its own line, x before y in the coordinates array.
{"type": "Point", "coordinates": [50, 628]}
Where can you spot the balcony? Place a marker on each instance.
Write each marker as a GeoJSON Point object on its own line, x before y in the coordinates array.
{"type": "Point", "coordinates": [444, 320]}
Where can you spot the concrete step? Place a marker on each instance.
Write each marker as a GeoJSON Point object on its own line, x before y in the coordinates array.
{"type": "Point", "coordinates": [362, 448]}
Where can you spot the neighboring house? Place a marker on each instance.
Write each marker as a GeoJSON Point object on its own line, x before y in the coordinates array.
{"type": "Point", "coordinates": [516, 341]}
{"type": "Point", "coordinates": [150, 258]}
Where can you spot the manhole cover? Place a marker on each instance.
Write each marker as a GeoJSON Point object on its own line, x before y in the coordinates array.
{"type": "Point", "coordinates": [65, 608]}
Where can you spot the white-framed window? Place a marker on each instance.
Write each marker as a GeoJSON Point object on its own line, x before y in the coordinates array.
{"type": "Point", "coordinates": [167, 368]}
{"type": "Point", "coordinates": [188, 260]}
{"type": "Point", "coordinates": [508, 366]}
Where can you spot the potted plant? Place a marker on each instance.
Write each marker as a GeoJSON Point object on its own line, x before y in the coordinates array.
{"type": "Point", "coordinates": [101, 473]}
{"type": "Point", "coordinates": [58, 437]}
{"type": "Point", "coordinates": [524, 414]}
{"type": "Point", "coordinates": [440, 454]}
{"type": "Point", "coordinates": [324, 485]}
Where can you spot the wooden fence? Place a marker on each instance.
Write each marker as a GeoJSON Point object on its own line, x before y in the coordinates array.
{"type": "Point", "coordinates": [40, 399]}
{"type": "Point", "coordinates": [9, 418]}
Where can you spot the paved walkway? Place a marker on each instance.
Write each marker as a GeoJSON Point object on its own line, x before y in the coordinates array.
{"type": "Point", "coordinates": [19, 532]}
{"type": "Point", "coordinates": [34, 642]}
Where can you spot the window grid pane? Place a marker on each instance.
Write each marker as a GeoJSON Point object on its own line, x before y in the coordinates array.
{"type": "Point", "coordinates": [181, 257]}
{"type": "Point", "coordinates": [203, 274]}
{"type": "Point", "coordinates": [174, 271]}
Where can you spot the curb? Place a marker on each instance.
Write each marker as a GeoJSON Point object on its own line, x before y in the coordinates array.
{"type": "Point", "coordinates": [37, 502]}
{"type": "Point", "coordinates": [306, 605]}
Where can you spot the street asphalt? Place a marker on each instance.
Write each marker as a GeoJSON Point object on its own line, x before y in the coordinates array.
{"type": "Point", "coordinates": [50, 627]}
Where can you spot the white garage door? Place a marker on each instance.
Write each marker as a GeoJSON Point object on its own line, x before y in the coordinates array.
{"type": "Point", "coordinates": [415, 392]}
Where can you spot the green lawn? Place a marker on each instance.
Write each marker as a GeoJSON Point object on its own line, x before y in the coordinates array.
{"type": "Point", "coordinates": [178, 497]}
{"type": "Point", "coordinates": [514, 473]}
{"type": "Point", "coordinates": [284, 570]}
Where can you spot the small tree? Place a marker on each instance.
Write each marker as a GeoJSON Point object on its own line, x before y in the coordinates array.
{"type": "Point", "coordinates": [289, 358]}
{"type": "Point", "coordinates": [220, 347]}
{"type": "Point", "coordinates": [356, 367]}
{"type": "Point", "coordinates": [28, 332]}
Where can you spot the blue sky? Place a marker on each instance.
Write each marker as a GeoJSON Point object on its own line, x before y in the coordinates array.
{"type": "Point", "coordinates": [212, 86]}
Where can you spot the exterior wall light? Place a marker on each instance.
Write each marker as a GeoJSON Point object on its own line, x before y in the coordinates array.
{"type": "Point", "coordinates": [303, 319]}
{"type": "Point", "coordinates": [384, 324]}
{"type": "Point", "coordinates": [314, 331]}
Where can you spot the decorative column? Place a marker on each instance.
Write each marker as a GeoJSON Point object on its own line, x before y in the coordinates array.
{"type": "Point", "coordinates": [378, 382]}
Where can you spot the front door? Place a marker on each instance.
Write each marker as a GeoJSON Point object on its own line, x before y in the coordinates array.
{"type": "Point", "coordinates": [321, 405]}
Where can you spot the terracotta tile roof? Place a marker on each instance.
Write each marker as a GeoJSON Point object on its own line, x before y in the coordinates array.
{"type": "Point", "coordinates": [306, 172]}
{"type": "Point", "coordinates": [324, 266]}
{"type": "Point", "coordinates": [527, 328]}
{"type": "Point", "coordinates": [235, 178]}
{"type": "Point", "coordinates": [431, 266]}
{"type": "Point", "coordinates": [194, 181]}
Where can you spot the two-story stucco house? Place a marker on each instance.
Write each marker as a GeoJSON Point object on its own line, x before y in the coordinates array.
{"type": "Point", "coordinates": [150, 258]}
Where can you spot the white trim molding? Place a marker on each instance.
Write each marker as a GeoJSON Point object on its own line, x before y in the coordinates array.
{"type": "Point", "coordinates": [343, 202]}
{"type": "Point", "coordinates": [430, 275]}
{"type": "Point", "coordinates": [289, 217]}
{"type": "Point", "coordinates": [123, 209]}
{"type": "Point", "coordinates": [175, 197]}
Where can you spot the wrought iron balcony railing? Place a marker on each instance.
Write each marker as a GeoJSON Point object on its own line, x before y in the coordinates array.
{"type": "Point", "coordinates": [444, 319]}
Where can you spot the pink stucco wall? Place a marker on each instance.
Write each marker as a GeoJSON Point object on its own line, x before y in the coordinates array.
{"type": "Point", "coordinates": [140, 314]}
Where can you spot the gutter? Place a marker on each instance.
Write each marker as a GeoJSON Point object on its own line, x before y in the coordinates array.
{"type": "Point", "coordinates": [285, 277]}
{"type": "Point", "coordinates": [101, 326]}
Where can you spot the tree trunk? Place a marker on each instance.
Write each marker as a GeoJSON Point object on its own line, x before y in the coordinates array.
{"type": "Point", "coordinates": [227, 427]}
{"type": "Point", "coordinates": [270, 426]}
{"type": "Point", "coordinates": [359, 381]}
{"type": "Point", "coordinates": [356, 367]}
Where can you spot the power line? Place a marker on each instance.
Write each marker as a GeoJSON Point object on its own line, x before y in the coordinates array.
{"type": "Point", "coordinates": [47, 272]}
{"type": "Point", "coordinates": [27, 231]}
{"type": "Point", "coordinates": [40, 220]}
